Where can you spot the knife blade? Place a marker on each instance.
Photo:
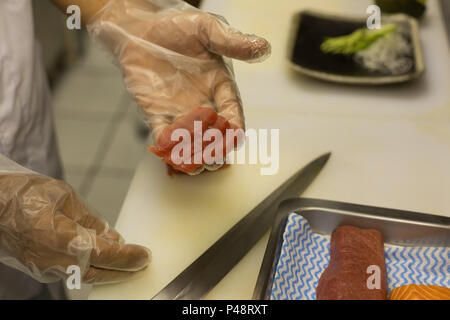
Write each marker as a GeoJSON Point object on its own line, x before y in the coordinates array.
{"type": "Point", "coordinates": [205, 272]}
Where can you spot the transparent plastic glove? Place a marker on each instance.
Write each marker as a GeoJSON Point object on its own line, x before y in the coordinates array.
{"type": "Point", "coordinates": [45, 227]}
{"type": "Point", "coordinates": [174, 59]}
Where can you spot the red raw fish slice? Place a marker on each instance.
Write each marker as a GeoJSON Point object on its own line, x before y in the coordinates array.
{"type": "Point", "coordinates": [352, 251]}
{"type": "Point", "coordinates": [220, 124]}
{"type": "Point", "coordinates": [210, 120]}
{"type": "Point", "coordinates": [206, 115]}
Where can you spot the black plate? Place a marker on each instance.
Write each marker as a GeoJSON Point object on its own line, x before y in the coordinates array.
{"type": "Point", "coordinates": [308, 31]}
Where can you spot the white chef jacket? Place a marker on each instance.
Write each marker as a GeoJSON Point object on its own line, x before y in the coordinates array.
{"type": "Point", "coordinates": [26, 121]}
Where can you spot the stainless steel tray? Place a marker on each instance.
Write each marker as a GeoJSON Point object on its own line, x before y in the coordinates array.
{"type": "Point", "coordinates": [398, 227]}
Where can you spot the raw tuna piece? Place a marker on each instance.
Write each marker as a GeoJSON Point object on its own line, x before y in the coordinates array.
{"type": "Point", "coordinates": [210, 119]}
{"type": "Point", "coordinates": [352, 251]}
{"type": "Point", "coordinates": [164, 144]}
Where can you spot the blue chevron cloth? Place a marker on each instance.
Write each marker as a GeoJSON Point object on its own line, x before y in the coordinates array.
{"type": "Point", "coordinates": [417, 265]}
{"type": "Point", "coordinates": [305, 255]}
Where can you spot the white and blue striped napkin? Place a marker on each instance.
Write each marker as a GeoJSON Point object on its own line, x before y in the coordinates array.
{"type": "Point", "coordinates": [305, 255]}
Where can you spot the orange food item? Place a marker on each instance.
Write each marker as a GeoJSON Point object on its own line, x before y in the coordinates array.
{"type": "Point", "coordinates": [420, 292]}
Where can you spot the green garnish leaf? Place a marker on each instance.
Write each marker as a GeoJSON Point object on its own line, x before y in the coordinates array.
{"type": "Point", "coordinates": [357, 41]}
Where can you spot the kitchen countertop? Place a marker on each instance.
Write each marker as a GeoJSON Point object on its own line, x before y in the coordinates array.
{"type": "Point", "coordinates": [391, 148]}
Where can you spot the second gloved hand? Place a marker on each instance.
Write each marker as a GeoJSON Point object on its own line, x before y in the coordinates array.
{"type": "Point", "coordinates": [45, 227]}
{"type": "Point", "coordinates": [175, 58]}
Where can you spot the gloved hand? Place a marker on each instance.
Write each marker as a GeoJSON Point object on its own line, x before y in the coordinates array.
{"type": "Point", "coordinates": [46, 227]}
{"type": "Point", "coordinates": [173, 59]}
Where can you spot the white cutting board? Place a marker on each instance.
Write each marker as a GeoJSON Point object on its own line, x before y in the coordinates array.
{"type": "Point", "coordinates": [391, 148]}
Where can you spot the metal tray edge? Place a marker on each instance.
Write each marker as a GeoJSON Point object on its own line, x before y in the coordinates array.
{"type": "Point", "coordinates": [290, 205]}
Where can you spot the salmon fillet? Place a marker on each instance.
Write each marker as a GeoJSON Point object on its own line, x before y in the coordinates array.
{"type": "Point", "coordinates": [352, 251]}
{"type": "Point", "coordinates": [420, 292]}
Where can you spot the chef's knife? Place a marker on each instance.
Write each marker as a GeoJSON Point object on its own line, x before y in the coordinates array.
{"type": "Point", "coordinates": [205, 272]}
